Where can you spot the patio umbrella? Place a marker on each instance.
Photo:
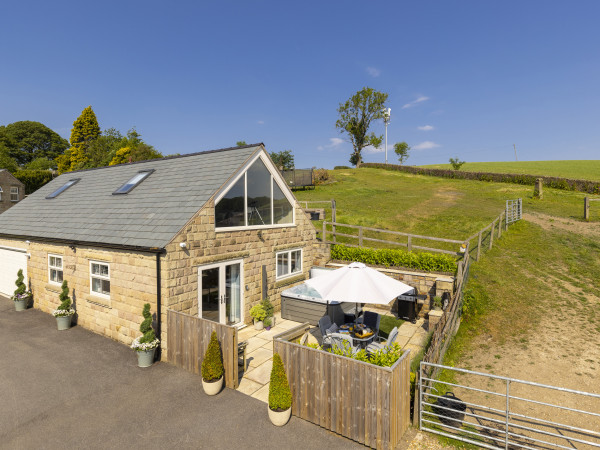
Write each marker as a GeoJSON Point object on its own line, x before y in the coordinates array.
{"type": "Point", "coordinates": [357, 283]}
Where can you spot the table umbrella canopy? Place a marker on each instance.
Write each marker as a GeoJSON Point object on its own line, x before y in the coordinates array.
{"type": "Point", "coordinates": [357, 283]}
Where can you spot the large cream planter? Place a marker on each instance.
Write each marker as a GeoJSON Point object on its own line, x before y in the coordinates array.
{"type": "Point", "coordinates": [279, 419]}
{"type": "Point", "coordinates": [212, 388]}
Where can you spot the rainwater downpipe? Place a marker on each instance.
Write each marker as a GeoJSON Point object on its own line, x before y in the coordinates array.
{"type": "Point", "coordinates": [158, 303]}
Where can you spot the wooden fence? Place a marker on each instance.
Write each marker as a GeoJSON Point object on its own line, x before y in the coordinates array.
{"type": "Point", "coordinates": [331, 203]}
{"type": "Point", "coordinates": [362, 236]}
{"type": "Point", "coordinates": [586, 206]}
{"type": "Point", "coordinates": [187, 340]}
{"type": "Point", "coordinates": [363, 402]}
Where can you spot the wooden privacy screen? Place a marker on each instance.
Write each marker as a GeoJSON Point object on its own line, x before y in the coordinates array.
{"type": "Point", "coordinates": [187, 340]}
{"type": "Point", "coordinates": [361, 401]}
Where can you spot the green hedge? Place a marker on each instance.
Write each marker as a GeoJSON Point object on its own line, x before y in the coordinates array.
{"type": "Point", "coordinates": [428, 262]}
{"type": "Point", "coordinates": [33, 179]}
{"type": "Point", "coordinates": [591, 187]}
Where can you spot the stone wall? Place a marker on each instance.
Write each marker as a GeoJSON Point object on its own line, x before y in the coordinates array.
{"type": "Point", "coordinates": [132, 283]}
{"type": "Point", "coordinates": [257, 248]}
{"type": "Point", "coordinates": [7, 180]}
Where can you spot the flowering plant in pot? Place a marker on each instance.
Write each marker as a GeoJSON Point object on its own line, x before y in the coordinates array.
{"type": "Point", "coordinates": [146, 345]}
{"type": "Point", "coordinates": [212, 367]}
{"type": "Point", "coordinates": [64, 312]}
{"type": "Point", "coordinates": [21, 295]}
{"type": "Point", "coordinates": [280, 396]}
{"type": "Point", "coordinates": [259, 314]}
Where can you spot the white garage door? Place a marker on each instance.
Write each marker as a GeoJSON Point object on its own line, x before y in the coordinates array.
{"type": "Point", "coordinates": [11, 260]}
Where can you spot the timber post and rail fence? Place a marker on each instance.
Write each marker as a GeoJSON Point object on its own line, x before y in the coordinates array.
{"type": "Point", "coordinates": [366, 403]}
{"type": "Point", "coordinates": [187, 340]}
{"type": "Point", "coordinates": [586, 207]}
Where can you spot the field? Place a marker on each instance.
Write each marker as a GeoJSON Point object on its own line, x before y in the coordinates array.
{"type": "Point", "coordinates": [575, 169]}
{"type": "Point", "coordinates": [533, 302]}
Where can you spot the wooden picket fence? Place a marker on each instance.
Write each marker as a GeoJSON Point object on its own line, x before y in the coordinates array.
{"type": "Point", "coordinates": [187, 340]}
{"type": "Point", "coordinates": [361, 401]}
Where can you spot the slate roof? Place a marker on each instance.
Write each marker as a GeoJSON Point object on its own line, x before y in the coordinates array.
{"type": "Point", "coordinates": [149, 216]}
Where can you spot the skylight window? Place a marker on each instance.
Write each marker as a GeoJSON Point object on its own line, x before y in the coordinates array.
{"type": "Point", "coordinates": [134, 181]}
{"type": "Point", "coordinates": [63, 188]}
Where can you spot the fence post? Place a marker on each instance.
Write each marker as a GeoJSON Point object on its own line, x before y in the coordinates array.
{"type": "Point", "coordinates": [409, 244]}
{"type": "Point", "coordinates": [500, 226]}
{"type": "Point", "coordinates": [416, 394]}
{"type": "Point", "coordinates": [507, 414]}
{"type": "Point", "coordinates": [586, 208]}
{"type": "Point", "coordinates": [324, 237]}
{"type": "Point", "coordinates": [333, 219]}
{"type": "Point", "coordinates": [479, 245]}
{"type": "Point", "coordinates": [492, 234]}
{"type": "Point", "coordinates": [360, 235]}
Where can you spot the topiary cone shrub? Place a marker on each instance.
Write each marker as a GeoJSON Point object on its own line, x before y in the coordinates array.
{"type": "Point", "coordinates": [212, 365]}
{"type": "Point", "coordinates": [21, 288]}
{"type": "Point", "coordinates": [64, 309]}
{"type": "Point", "coordinates": [148, 340]}
{"type": "Point", "coordinates": [280, 396]}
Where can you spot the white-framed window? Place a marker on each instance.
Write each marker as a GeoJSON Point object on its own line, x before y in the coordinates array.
{"type": "Point", "coordinates": [288, 263]}
{"type": "Point", "coordinates": [100, 279]}
{"type": "Point", "coordinates": [14, 194]}
{"type": "Point", "coordinates": [55, 269]}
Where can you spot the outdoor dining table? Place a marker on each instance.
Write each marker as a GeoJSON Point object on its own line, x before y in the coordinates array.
{"type": "Point", "coordinates": [356, 339]}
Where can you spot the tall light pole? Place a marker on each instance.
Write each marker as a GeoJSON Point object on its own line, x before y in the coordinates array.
{"type": "Point", "coordinates": [387, 112]}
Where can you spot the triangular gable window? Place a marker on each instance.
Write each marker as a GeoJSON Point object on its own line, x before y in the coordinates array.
{"type": "Point", "coordinates": [254, 200]}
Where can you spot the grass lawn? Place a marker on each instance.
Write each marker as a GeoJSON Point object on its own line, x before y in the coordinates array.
{"type": "Point", "coordinates": [387, 324]}
{"type": "Point", "coordinates": [583, 170]}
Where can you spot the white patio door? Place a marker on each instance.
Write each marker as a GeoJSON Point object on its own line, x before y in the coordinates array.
{"type": "Point", "coordinates": [220, 293]}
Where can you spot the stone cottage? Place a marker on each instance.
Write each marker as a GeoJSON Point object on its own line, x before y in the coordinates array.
{"type": "Point", "coordinates": [12, 190]}
{"type": "Point", "coordinates": [209, 233]}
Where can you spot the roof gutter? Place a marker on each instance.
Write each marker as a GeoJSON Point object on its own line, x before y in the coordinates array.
{"type": "Point", "coordinates": [135, 248]}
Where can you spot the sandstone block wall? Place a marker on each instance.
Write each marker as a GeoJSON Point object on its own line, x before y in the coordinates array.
{"type": "Point", "coordinates": [7, 180]}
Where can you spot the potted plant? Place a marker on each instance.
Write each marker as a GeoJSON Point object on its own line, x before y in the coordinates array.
{"type": "Point", "coordinates": [258, 314]}
{"type": "Point", "coordinates": [212, 367]}
{"type": "Point", "coordinates": [280, 396]}
{"type": "Point", "coordinates": [146, 345]}
{"type": "Point", "coordinates": [437, 303]}
{"type": "Point", "coordinates": [21, 295]}
{"type": "Point", "coordinates": [267, 323]}
{"type": "Point", "coordinates": [269, 310]}
{"type": "Point", "coordinates": [64, 312]}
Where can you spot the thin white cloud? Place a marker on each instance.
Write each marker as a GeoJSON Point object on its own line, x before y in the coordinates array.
{"type": "Point", "coordinates": [426, 145]}
{"type": "Point", "coordinates": [261, 122]}
{"type": "Point", "coordinates": [421, 99]}
{"type": "Point", "coordinates": [370, 149]}
{"type": "Point", "coordinates": [373, 71]}
{"type": "Point", "coordinates": [333, 143]}
{"type": "Point", "coordinates": [426, 128]}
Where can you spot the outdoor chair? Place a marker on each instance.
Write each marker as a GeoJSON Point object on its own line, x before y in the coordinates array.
{"type": "Point", "coordinates": [342, 342]}
{"type": "Point", "coordinates": [327, 328]}
{"type": "Point", "coordinates": [375, 346]}
{"type": "Point", "coordinates": [371, 320]}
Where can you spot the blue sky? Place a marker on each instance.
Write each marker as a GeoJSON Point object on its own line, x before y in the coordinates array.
{"type": "Point", "coordinates": [465, 78]}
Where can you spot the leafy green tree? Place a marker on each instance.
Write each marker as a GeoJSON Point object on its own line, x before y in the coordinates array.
{"type": "Point", "coordinates": [33, 179]}
{"type": "Point", "coordinates": [283, 160]}
{"type": "Point", "coordinates": [6, 161]}
{"type": "Point", "coordinates": [456, 163]}
{"type": "Point", "coordinates": [355, 117]}
{"type": "Point", "coordinates": [402, 149]}
{"type": "Point", "coordinates": [85, 130]}
{"type": "Point", "coordinates": [102, 150]}
{"type": "Point", "coordinates": [27, 140]}
{"type": "Point", "coordinates": [133, 148]}
{"type": "Point", "coordinates": [41, 164]}
{"type": "Point", "coordinates": [240, 143]}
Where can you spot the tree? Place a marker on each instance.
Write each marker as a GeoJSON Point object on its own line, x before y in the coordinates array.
{"type": "Point", "coordinates": [240, 143]}
{"type": "Point", "coordinates": [456, 163]}
{"type": "Point", "coordinates": [102, 150]}
{"type": "Point", "coordinates": [27, 140]}
{"type": "Point", "coordinates": [355, 117]}
{"type": "Point", "coordinates": [283, 160]}
{"type": "Point", "coordinates": [41, 164]}
{"type": "Point", "coordinates": [402, 149]}
{"type": "Point", "coordinates": [6, 162]}
{"type": "Point", "coordinates": [133, 148]}
{"type": "Point", "coordinates": [85, 130]}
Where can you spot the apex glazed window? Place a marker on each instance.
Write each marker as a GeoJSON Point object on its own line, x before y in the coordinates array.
{"type": "Point", "coordinates": [255, 200]}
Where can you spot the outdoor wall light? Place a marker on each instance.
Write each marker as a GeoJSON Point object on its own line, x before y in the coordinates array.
{"type": "Point", "coordinates": [27, 242]}
{"type": "Point", "coordinates": [72, 247]}
{"type": "Point", "coordinates": [183, 245]}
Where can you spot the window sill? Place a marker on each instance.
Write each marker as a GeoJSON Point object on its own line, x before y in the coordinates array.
{"type": "Point", "coordinates": [290, 280]}
{"type": "Point", "coordinates": [53, 287]}
{"type": "Point", "coordinates": [97, 300]}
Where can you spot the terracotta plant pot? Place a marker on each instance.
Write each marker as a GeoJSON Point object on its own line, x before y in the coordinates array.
{"type": "Point", "coordinates": [279, 418]}
{"type": "Point", "coordinates": [212, 388]}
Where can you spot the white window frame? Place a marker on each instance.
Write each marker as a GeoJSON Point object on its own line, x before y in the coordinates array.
{"type": "Point", "coordinates": [51, 267]}
{"type": "Point", "coordinates": [274, 179]}
{"type": "Point", "coordinates": [289, 273]}
{"type": "Point", "coordinates": [12, 192]}
{"type": "Point", "coordinates": [101, 277]}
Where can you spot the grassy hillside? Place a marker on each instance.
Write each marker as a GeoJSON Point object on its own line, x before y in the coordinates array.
{"type": "Point", "coordinates": [583, 170]}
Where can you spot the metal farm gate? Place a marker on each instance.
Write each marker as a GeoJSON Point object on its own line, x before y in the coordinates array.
{"type": "Point", "coordinates": [514, 211]}
{"type": "Point", "coordinates": [495, 412]}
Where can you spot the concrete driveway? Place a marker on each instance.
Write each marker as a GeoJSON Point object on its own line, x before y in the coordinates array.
{"type": "Point", "coordinates": [75, 389]}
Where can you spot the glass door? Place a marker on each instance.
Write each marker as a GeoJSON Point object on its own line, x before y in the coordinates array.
{"type": "Point", "coordinates": [220, 293]}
